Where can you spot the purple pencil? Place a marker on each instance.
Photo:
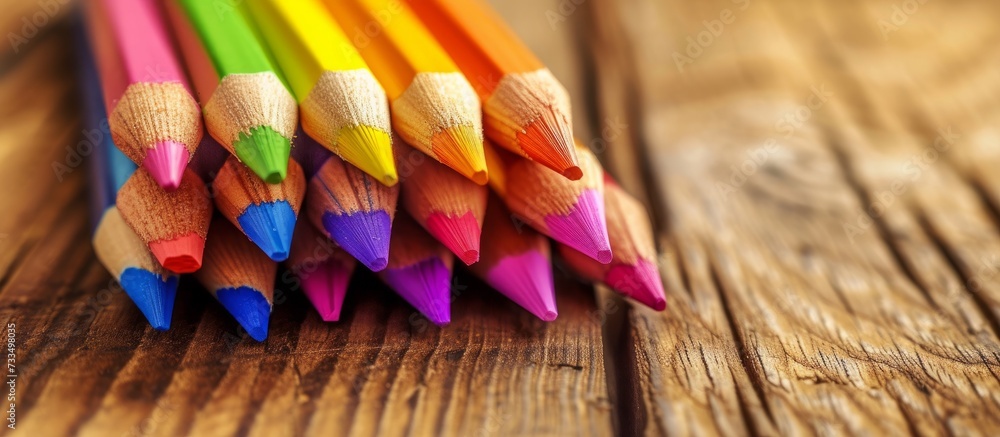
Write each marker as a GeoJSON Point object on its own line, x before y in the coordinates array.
{"type": "Point", "coordinates": [419, 269]}
{"type": "Point", "coordinates": [349, 206]}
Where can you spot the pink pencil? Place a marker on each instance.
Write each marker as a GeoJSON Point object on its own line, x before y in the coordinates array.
{"type": "Point", "coordinates": [633, 271]}
{"type": "Point", "coordinates": [153, 117]}
{"type": "Point", "coordinates": [516, 261]}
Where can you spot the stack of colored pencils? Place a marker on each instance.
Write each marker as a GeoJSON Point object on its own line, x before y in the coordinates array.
{"type": "Point", "coordinates": [229, 125]}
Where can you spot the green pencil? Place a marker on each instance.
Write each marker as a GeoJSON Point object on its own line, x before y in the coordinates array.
{"type": "Point", "coordinates": [247, 105]}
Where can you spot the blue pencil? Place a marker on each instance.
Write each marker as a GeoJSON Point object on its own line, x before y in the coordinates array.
{"type": "Point", "coordinates": [119, 249]}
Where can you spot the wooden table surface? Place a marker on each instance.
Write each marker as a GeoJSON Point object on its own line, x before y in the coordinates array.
{"type": "Point", "coordinates": [823, 178]}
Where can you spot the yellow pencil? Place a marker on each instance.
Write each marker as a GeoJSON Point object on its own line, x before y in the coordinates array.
{"type": "Point", "coordinates": [342, 105]}
{"type": "Point", "coordinates": [434, 108]}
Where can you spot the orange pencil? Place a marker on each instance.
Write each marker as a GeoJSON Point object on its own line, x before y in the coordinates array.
{"type": "Point", "coordinates": [632, 271]}
{"type": "Point", "coordinates": [173, 224]}
{"type": "Point", "coordinates": [433, 107]}
{"type": "Point", "coordinates": [570, 212]}
{"type": "Point", "coordinates": [322, 269]}
{"type": "Point", "coordinates": [525, 108]}
{"type": "Point", "coordinates": [240, 277]}
{"type": "Point", "coordinates": [516, 261]}
{"type": "Point", "coordinates": [446, 204]}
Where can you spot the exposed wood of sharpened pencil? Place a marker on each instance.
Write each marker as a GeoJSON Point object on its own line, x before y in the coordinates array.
{"type": "Point", "coordinates": [354, 210]}
{"type": "Point", "coordinates": [450, 207]}
{"type": "Point", "coordinates": [246, 104]}
{"type": "Point", "coordinates": [153, 116]}
{"type": "Point", "coordinates": [633, 270]}
{"type": "Point", "coordinates": [173, 224]}
{"type": "Point", "coordinates": [342, 104]}
{"type": "Point", "coordinates": [240, 277]}
{"type": "Point", "coordinates": [525, 108]}
{"type": "Point", "coordinates": [570, 212]}
{"type": "Point", "coordinates": [434, 108]}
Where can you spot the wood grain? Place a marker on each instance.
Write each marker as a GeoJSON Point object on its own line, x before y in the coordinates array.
{"type": "Point", "coordinates": [782, 319]}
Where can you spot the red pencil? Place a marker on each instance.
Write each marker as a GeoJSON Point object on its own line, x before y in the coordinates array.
{"type": "Point", "coordinates": [633, 271]}
{"type": "Point", "coordinates": [174, 225]}
{"type": "Point", "coordinates": [446, 204]}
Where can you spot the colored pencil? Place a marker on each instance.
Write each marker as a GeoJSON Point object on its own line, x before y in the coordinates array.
{"type": "Point", "coordinates": [154, 118]}
{"type": "Point", "coordinates": [419, 270]}
{"type": "Point", "coordinates": [434, 108]}
{"type": "Point", "coordinates": [264, 212]}
{"type": "Point", "coordinates": [173, 224]}
{"type": "Point", "coordinates": [118, 248]}
{"type": "Point", "coordinates": [247, 107]}
{"type": "Point", "coordinates": [633, 271]}
{"type": "Point", "coordinates": [525, 108]}
{"type": "Point", "coordinates": [322, 269]}
{"type": "Point", "coordinates": [310, 154]}
{"type": "Point", "coordinates": [570, 212]}
{"type": "Point", "coordinates": [240, 277]}
{"type": "Point", "coordinates": [443, 202]}
{"type": "Point", "coordinates": [353, 209]}
{"type": "Point", "coordinates": [342, 105]}
{"type": "Point", "coordinates": [516, 261]}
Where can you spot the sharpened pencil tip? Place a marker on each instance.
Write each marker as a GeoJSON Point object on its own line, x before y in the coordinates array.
{"type": "Point", "coordinates": [152, 293]}
{"type": "Point", "coordinates": [461, 148]}
{"type": "Point", "coordinates": [179, 255]}
{"type": "Point", "coordinates": [549, 141]}
{"type": "Point", "coordinates": [573, 173]}
{"type": "Point", "coordinates": [460, 234]}
{"type": "Point", "coordinates": [584, 228]}
{"type": "Point", "coordinates": [526, 279]}
{"type": "Point", "coordinates": [265, 152]}
{"type": "Point", "coordinates": [641, 282]}
{"type": "Point", "coordinates": [270, 226]}
{"type": "Point", "coordinates": [363, 234]}
{"type": "Point", "coordinates": [426, 285]}
{"type": "Point", "coordinates": [249, 307]}
{"type": "Point", "coordinates": [326, 288]}
{"type": "Point", "coordinates": [370, 150]}
{"type": "Point", "coordinates": [166, 162]}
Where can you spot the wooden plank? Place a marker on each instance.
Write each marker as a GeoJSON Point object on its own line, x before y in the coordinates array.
{"type": "Point", "coordinates": [835, 335]}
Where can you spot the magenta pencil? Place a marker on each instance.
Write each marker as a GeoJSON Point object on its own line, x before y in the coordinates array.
{"type": "Point", "coordinates": [516, 261]}
{"type": "Point", "coordinates": [632, 271]}
{"type": "Point", "coordinates": [322, 268]}
{"type": "Point", "coordinates": [419, 270]}
{"type": "Point", "coordinates": [570, 212]}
